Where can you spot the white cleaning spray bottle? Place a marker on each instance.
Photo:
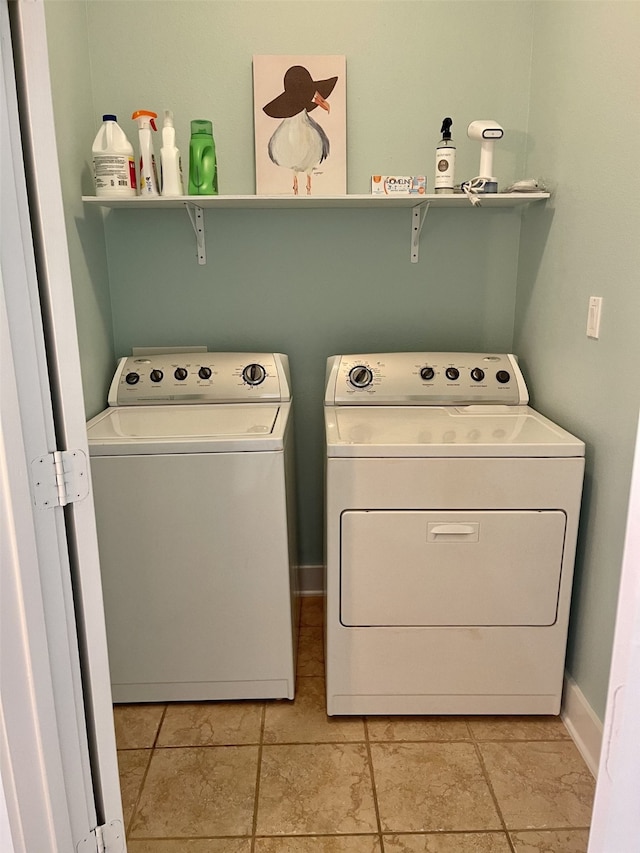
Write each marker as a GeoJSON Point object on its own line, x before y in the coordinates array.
{"type": "Point", "coordinates": [445, 160]}
{"type": "Point", "coordinates": [148, 174]}
{"type": "Point", "coordinates": [170, 161]}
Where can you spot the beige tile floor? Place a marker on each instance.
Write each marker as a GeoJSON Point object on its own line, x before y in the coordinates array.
{"type": "Point", "coordinates": [282, 777]}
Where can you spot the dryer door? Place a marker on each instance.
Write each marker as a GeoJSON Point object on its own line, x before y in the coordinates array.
{"type": "Point", "coordinates": [421, 568]}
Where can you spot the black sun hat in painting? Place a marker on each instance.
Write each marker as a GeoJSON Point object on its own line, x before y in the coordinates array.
{"type": "Point", "coordinates": [301, 92]}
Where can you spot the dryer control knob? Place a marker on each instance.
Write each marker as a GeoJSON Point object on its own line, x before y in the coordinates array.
{"type": "Point", "coordinates": [204, 373]}
{"type": "Point", "coordinates": [452, 373]}
{"type": "Point", "coordinates": [132, 378]}
{"type": "Point", "coordinates": [360, 376]}
{"type": "Point", "coordinates": [156, 375]}
{"type": "Point", "coordinates": [503, 376]}
{"type": "Point", "coordinates": [427, 373]}
{"type": "Point", "coordinates": [254, 374]}
{"type": "Point", "coordinates": [181, 373]}
{"type": "Point", "coordinates": [477, 374]}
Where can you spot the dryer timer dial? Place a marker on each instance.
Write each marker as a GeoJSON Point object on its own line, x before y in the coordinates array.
{"type": "Point", "coordinates": [427, 373]}
{"type": "Point", "coordinates": [254, 374]}
{"type": "Point", "coordinates": [360, 376]}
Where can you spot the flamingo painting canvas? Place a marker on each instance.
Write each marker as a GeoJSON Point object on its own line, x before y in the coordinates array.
{"type": "Point", "coordinates": [298, 153]}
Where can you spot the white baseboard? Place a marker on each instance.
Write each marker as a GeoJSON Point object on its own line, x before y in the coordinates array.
{"type": "Point", "coordinates": [582, 723]}
{"type": "Point", "coordinates": [311, 580]}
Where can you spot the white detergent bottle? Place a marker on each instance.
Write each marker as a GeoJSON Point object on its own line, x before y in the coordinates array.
{"type": "Point", "coordinates": [114, 166]}
{"type": "Point", "coordinates": [170, 162]}
{"type": "Point", "coordinates": [148, 174]}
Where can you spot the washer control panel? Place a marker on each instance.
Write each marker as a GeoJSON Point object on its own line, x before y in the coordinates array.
{"type": "Point", "coordinates": [200, 377]}
{"type": "Point", "coordinates": [425, 378]}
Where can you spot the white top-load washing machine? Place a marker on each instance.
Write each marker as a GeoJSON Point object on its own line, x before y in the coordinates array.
{"type": "Point", "coordinates": [451, 522]}
{"type": "Point", "coordinates": [192, 469]}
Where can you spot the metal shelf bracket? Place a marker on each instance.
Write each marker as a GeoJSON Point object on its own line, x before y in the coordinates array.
{"type": "Point", "coordinates": [196, 217]}
{"type": "Point", "coordinates": [418, 216]}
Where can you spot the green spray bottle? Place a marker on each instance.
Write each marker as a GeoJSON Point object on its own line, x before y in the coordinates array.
{"type": "Point", "coordinates": [203, 169]}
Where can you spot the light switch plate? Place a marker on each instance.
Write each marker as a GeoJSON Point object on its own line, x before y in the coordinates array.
{"type": "Point", "coordinates": [593, 317]}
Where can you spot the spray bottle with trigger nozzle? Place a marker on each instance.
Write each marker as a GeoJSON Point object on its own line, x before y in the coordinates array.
{"type": "Point", "coordinates": [148, 174]}
{"type": "Point", "coordinates": [445, 160]}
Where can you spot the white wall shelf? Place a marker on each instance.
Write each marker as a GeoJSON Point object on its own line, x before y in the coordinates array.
{"type": "Point", "coordinates": [419, 205]}
{"type": "Point", "coordinates": [280, 202]}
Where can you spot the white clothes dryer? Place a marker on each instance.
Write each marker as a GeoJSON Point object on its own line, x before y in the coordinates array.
{"type": "Point", "coordinates": [451, 524]}
{"type": "Point", "coordinates": [192, 469]}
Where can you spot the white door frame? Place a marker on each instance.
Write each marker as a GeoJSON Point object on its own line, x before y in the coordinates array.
{"type": "Point", "coordinates": [59, 767]}
{"type": "Point", "coordinates": [33, 775]}
{"type": "Point", "coordinates": [615, 825]}
{"type": "Point", "coordinates": [54, 274]}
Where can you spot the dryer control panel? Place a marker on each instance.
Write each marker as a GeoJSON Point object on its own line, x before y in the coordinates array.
{"type": "Point", "coordinates": [425, 378]}
{"type": "Point", "coordinates": [200, 377]}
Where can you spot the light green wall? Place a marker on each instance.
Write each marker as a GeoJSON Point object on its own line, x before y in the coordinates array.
{"type": "Point", "coordinates": [74, 112]}
{"type": "Point", "coordinates": [584, 129]}
{"type": "Point", "coordinates": [320, 282]}
{"type": "Point", "coordinates": [409, 64]}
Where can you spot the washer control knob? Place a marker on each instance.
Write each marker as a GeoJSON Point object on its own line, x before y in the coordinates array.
{"type": "Point", "coordinates": [427, 373]}
{"type": "Point", "coordinates": [180, 373]}
{"type": "Point", "coordinates": [503, 376]}
{"type": "Point", "coordinates": [132, 378]}
{"type": "Point", "coordinates": [360, 376]}
{"type": "Point", "coordinates": [452, 373]}
{"type": "Point", "coordinates": [204, 373]}
{"type": "Point", "coordinates": [156, 375]}
{"type": "Point", "coordinates": [477, 374]}
{"type": "Point", "coordinates": [254, 374]}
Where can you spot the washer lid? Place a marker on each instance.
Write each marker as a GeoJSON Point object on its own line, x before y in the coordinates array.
{"type": "Point", "coordinates": [223, 428]}
{"type": "Point", "coordinates": [445, 431]}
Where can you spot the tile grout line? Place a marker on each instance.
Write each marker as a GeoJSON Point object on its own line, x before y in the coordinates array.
{"type": "Point", "coordinates": [155, 740]}
{"type": "Point", "coordinates": [374, 790]}
{"type": "Point", "coordinates": [134, 810]}
{"type": "Point", "coordinates": [494, 797]}
{"type": "Point", "coordinates": [550, 829]}
{"type": "Point", "coordinates": [146, 773]}
{"type": "Point", "coordinates": [254, 823]}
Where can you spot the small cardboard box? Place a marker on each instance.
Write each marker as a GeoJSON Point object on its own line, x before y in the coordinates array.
{"type": "Point", "coordinates": [398, 185]}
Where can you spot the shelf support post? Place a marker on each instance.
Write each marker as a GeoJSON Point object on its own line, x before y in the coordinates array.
{"type": "Point", "coordinates": [418, 216]}
{"type": "Point", "coordinates": [196, 217]}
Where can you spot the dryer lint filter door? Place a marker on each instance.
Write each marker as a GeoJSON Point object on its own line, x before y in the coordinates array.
{"type": "Point", "coordinates": [421, 568]}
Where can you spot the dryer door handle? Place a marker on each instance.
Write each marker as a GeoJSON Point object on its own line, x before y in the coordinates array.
{"type": "Point", "coordinates": [453, 531]}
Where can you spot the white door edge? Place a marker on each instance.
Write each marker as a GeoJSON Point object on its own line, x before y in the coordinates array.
{"type": "Point", "coordinates": [83, 706]}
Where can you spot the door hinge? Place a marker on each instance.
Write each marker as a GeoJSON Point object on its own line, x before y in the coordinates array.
{"type": "Point", "coordinates": [108, 838]}
{"type": "Point", "coordinates": [59, 478]}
